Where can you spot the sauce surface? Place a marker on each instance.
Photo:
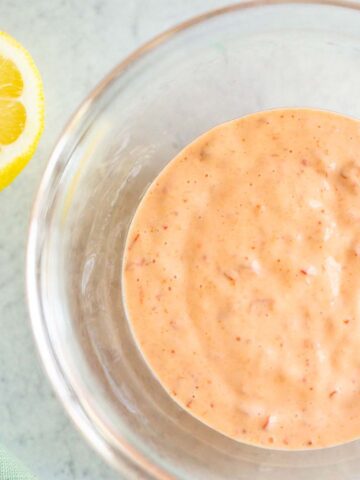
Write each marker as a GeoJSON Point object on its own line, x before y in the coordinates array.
{"type": "Point", "coordinates": [242, 278]}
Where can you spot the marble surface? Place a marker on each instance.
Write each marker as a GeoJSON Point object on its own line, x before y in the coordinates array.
{"type": "Point", "coordinates": [74, 44]}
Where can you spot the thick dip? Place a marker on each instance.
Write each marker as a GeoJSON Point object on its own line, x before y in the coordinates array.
{"type": "Point", "coordinates": [242, 278]}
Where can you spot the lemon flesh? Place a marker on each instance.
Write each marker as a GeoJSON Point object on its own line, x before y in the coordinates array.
{"type": "Point", "coordinates": [21, 108]}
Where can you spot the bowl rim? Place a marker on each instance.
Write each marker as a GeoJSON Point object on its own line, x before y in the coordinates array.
{"type": "Point", "coordinates": [121, 455]}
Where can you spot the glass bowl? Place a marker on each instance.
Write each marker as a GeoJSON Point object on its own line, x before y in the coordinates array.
{"type": "Point", "coordinates": [221, 65]}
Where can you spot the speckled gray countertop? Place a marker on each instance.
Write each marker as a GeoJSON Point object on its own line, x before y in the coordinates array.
{"type": "Point", "coordinates": [74, 45]}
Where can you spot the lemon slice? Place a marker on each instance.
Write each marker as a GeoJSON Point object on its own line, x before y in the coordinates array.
{"type": "Point", "coordinates": [21, 108]}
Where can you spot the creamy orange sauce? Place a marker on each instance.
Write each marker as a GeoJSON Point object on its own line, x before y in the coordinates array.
{"type": "Point", "coordinates": [242, 278]}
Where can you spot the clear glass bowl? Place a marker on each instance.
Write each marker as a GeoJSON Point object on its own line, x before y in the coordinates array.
{"type": "Point", "coordinates": [222, 65]}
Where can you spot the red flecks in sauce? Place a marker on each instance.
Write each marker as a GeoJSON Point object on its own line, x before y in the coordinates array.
{"type": "Point", "coordinates": [255, 229]}
{"type": "Point", "coordinates": [265, 423]}
{"type": "Point", "coordinates": [135, 239]}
